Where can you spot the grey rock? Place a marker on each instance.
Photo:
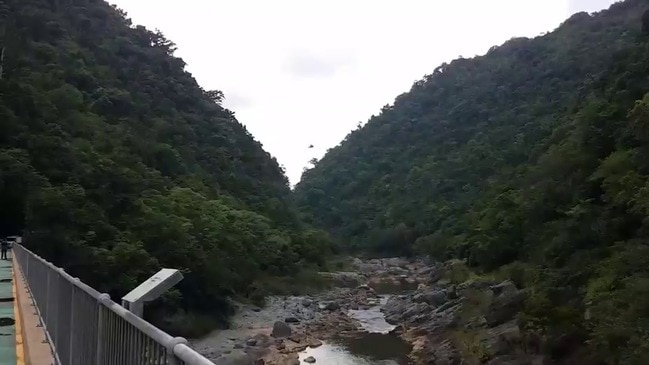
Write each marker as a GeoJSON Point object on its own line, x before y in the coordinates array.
{"type": "Point", "coordinates": [344, 279]}
{"type": "Point", "coordinates": [451, 292]}
{"type": "Point", "coordinates": [395, 261]}
{"type": "Point", "coordinates": [313, 343]}
{"type": "Point", "coordinates": [332, 306]}
{"type": "Point", "coordinates": [505, 305]}
{"type": "Point", "coordinates": [256, 352]}
{"type": "Point", "coordinates": [280, 345]}
{"type": "Point", "coordinates": [398, 330]}
{"type": "Point", "coordinates": [434, 298]}
{"type": "Point", "coordinates": [398, 271]}
{"type": "Point", "coordinates": [235, 358]}
{"type": "Point", "coordinates": [310, 360]}
{"type": "Point", "coordinates": [251, 342]}
{"type": "Point", "coordinates": [297, 337]}
{"type": "Point", "coordinates": [281, 329]}
{"type": "Point", "coordinates": [291, 320]}
{"type": "Point", "coordinates": [263, 340]}
{"type": "Point", "coordinates": [450, 304]}
{"type": "Point", "coordinates": [507, 287]}
{"type": "Point", "coordinates": [444, 353]}
{"type": "Point", "coordinates": [502, 339]}
{"type": "Point", "coordinates": [417, 309]}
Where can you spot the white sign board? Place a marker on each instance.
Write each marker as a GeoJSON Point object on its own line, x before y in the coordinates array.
{"type": "Point", "coordinates": [154, 287]}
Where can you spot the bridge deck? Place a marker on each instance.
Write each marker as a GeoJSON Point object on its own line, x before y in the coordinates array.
{"type": "Point", "coordinates": [26, 341]}
{"type": "Point", "coordinates": [7, 314]}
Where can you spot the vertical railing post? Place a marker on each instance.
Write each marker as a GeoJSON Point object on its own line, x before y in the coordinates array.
{"type": "Point", "coordinates": [47, 303]}
{"type": "Point", "coordinates": [101, 328]}
{"type": "Point", "coordinates": [73, 294]}
{"type": "Point", "coordinates": [54, 327]}
{"type": "Point", "coordinates": [26, 264]}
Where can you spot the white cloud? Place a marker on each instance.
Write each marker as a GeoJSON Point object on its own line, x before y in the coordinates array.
{"type": "Point", "coordinates": [237, 101]}
{"type": "Point", "coordinates": [575, 6]}
{"type": "Point", "coordinates": [305, 63]}
{"type": "Point", "coordinates": [306, 72]}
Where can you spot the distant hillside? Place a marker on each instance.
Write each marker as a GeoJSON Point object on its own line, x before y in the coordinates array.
{"type": "Point", "coordinates": [115, 162]}
{"type": "Point", "coordinates": [532, 160]}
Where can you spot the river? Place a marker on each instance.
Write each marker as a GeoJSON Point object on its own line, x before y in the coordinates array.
{"type": "Point", "coordinates": [376, 346]}
{"type": "Point", "coordinates": [339, 326]}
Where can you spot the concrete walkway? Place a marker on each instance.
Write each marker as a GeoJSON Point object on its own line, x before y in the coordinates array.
{"type": "Point", "coordinates": [32, 347]}
{"type": "Point", "coordinates": [7, 315]}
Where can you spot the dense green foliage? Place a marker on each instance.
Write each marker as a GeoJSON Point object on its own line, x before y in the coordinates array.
{"type": "Point", "coordinates": [531, 160]}
{"type": "Point", "coordinates": [115, 162]}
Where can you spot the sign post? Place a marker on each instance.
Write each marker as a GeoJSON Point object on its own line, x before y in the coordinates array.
{"type": "Point", "coordinates": [150, 290]}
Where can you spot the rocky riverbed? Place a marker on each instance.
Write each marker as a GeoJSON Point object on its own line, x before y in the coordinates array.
{"type": "Point", "coordinates": [441, 314]}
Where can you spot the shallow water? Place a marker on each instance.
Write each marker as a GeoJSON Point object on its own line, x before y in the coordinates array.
{"type": "Point", "coordinates": [339, 354]}
{"type": "Point", "coordinates": [376, 346]}
{"type": "Point", "coordinates": [372, 319]}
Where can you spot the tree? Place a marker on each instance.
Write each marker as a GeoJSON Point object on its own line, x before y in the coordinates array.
{"type": "Point", "coordinates": [529, 162]}
{"type": "Point", "coordinates": [215, 96]}
{"type": "Point", "coordinates": [114, 161]}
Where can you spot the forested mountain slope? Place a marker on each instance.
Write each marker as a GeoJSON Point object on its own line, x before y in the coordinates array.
{"type": "Point", "coordinates": [423, 161]}
{"type": "Point", "coordinates": [115, 162]}
{"type": "Point", "coordinates": [530, 161]}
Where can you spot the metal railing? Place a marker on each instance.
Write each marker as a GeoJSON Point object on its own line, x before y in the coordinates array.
{"type": "Point", "coordinates": [86, 327]}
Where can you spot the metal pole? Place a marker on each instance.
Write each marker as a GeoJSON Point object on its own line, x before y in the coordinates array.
{"type": "Point", "coordinates": [47, 303]}
{"type": "Point", "coordinates": [72, 329]}
{"type": "Point", "coordinates": [137, 308]}
{"type": "Point", "coordinates": [101, 328]}
{"type": "Point", "coordinates": [22, 258]}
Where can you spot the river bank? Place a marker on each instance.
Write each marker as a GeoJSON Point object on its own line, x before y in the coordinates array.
{"type": "Point", "coordinates": [345, 313]}
{"type": "Point", "coordinates": [384, 311]}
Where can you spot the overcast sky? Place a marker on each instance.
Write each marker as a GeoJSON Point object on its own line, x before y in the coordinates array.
{"type": "Point", "coordinates": [306, 72]}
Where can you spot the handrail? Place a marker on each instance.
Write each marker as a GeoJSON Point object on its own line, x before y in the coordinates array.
{"type": "Point", "coordinates": [86, 327]}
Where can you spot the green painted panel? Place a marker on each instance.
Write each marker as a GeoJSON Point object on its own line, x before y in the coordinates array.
{"type": "Point", "coordinates": [7, 333]}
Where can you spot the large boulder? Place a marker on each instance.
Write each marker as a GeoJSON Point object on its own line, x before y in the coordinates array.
{"type": "Point", "coordinates": [501, 340]}
{"type": "Point", "coordinates": [281, 330]}
{"type": "Point", "coordinates": [506, 304]}
{"type": "Point", "coordinates": [369, 267]}
{"type": "Point", "coordinates": [404, 309]}
{"type": "Point", "coordinates": [291, 320]}
{"type": "Point", "coordinates": [395, 308]}
{"type": "Point", "coordinates": [433, 297]}
{"type": "Point", "coordinates": [507, 287]}
{"type": "Point", "coordinates": [441, 353]}
{"type": "Point", "coordinates": [344, 279]}
{"type": "Point", "coordinates": [331, 306]}
{"type": "Point", "coordinates": [436, 273]}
